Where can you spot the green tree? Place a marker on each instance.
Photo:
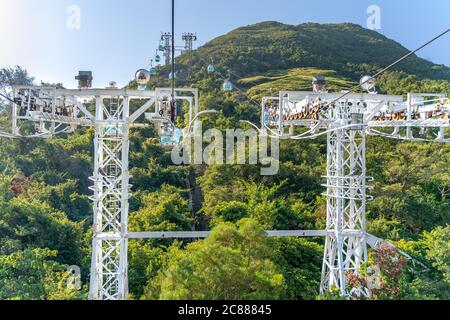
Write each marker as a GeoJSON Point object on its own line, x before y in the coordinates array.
{"type": "Point", "coordinates": [144, 262]}
{"type": "Point", "coordinates": [230, 212]}
{"type": "Point", "coordinates": [233, 263]}
{"type": "Point", "coordinates": [164, 210]}
{"type": "Point", "coordinates": [10, 77]}
{"type": "Point", "coordinates": [432, 249]}
{"type": "Point", "coordinates": [30, 224]}
{"type": "Point", "coordinates": [64, 197]}
{"type": "Point", "coordinates": [438, 244]}
{"type": "Point", "coordinates": [300, 262]}
{"type": "Point", "coordinates": [32, 274]}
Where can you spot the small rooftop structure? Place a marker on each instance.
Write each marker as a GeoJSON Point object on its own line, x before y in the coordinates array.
{"type": "Point", "coordinates": [84, 79]}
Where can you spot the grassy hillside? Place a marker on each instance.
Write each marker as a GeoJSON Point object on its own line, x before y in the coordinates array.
{"type": "Point", "coordinates": [293, 79]}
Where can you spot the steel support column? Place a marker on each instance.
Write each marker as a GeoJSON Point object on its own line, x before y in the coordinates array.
{"type": "Point", "coordinates": [111, 194]}
{"type": "Point", "coordinates": [345, 247]}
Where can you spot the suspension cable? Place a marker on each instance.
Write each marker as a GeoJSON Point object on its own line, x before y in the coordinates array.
{"type": "Point", "coordinates": [388, 67]}
{"type": "Point", "coordinates": [8, 98]}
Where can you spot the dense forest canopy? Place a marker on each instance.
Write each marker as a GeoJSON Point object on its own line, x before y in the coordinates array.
{"type": "Point", "coordinates": [46, 216]}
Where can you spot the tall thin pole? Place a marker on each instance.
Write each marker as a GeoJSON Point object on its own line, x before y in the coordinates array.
{"type": "Point", "coordinates": [173, 49]}
{"type": "Point", "coordinates": [173, 103]}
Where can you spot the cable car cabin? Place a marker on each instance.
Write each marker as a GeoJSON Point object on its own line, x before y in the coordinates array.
{"type": "Point", "coordinates": [153, 71]}
{"type": "Point", "coordinates": [228, 86]}
{"type": "Point", "coordinates": [161, 48]}
{"type": "Point", "coordinates": [170, 135]}
{"type": "Point", "coordinates": [158, 58]}
{"type": "Point", "coordinates": [169, 105]}
{"type": "Point", "coordinates": [142, 76]}
{"type": "Point", "coordinates": [211, 68]}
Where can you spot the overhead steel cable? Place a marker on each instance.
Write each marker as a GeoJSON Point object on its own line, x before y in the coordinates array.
{"type": "Point", "coordinates": [235, 86]}
{"type": "Point", "coordinates": [388, 67]}
{"type": "Point", "coordinates": [173, 49]}
{"type": "Point", "coordinates": [8, 98]}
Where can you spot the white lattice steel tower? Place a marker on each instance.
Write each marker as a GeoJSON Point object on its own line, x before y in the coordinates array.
{"type": "Point", "coordinates": [189, 38]}
{"type": "Point", "coordinates": [345, 245]}
{"type": "Point", "coordinates": [166, 39]}
{"type": "Point", "coordinates": [346, 121]}
{"type": "Point", "coordinates": [111, 194]}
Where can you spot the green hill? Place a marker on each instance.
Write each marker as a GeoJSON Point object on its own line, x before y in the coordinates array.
{"type": "Point", "coordinates": [346, 48]}
{"type": "Point", "coordinates": [266, 57]}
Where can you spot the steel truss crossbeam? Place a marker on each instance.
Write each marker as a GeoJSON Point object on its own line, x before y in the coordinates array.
{"type": "Point", "coordinates": [205, 234]}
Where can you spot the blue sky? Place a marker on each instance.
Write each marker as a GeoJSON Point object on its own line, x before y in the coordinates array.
{"type": "Point", "coordinates": [118, 37]}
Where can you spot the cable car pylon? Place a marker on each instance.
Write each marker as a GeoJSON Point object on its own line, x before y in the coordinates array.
{"type": "Point", "coordinates": [346, 122]}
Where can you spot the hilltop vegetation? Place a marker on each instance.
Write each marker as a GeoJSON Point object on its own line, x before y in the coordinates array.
{"type": "Point", "coordinates": [270, 56]}
{"type": "Point", "coordinates": [347, 48]}
{"type": "Point", "coordinates": [45, 214]}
